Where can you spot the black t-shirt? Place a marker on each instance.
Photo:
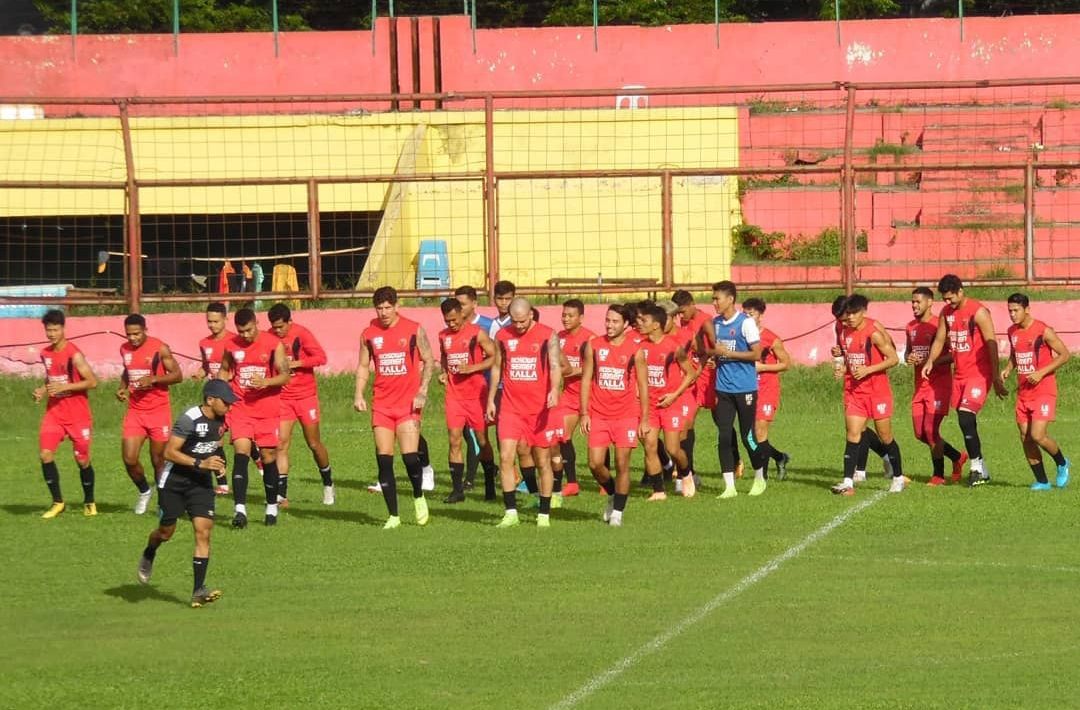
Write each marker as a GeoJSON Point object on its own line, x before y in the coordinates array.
{"type": "Point", "coordinates": [202, 435]}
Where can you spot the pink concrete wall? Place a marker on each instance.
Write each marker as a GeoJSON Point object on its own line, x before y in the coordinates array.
{"type": "Point", "coordinates": [543, 58]}
{"type": "Point", "coordinates": [339, 332]}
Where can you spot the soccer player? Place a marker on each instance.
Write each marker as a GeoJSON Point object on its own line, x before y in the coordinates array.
{"type": "Point", "coordinates": [868, 353]}
{"type": "Point", "coordinates": [466, 353]}
{"type": "Point", "coordinates": [300, 400]}
{"type": "Point", "coordinates": [256, 364]}
{"type": "Point", "coordinates": [774, 360]}
{"type": "Point", "coordinates": [697, 324]}
{"type": "Point", "coordinates": [528, 369]}
{"type": "Point", "coordinates": [671, 376]}
{"type": "Point", "coordinates": [68, 377]}
{"type": "Point", "coordinates": [572, 340]}
{"type": "Point", "coordinates": [149, 370]}
{"type": "Point", "coordinates": [736, 344]}
{"type": "Point", "coordinates": [211, 350]}
{"type": "Point", "coordinates": [930, 401]}
{"type": "Point", "coordinates": [966, 327]}
{"type": "Point", "coordinates": [193, 455]}
{"type": "Point", "coordinates": [614, 405]}
{"type": "Point", "coordinates": [504, 292]}
{"type": "Point", "coordinates": [1037, 353]}
{"type": "Point", "coordinates": [467, 297]}
{"type": "Point", "coordinates": [398, 351]}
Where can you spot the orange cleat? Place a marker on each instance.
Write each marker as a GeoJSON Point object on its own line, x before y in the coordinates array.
{"type": "Point", "coordinates": [936, 481]}
{"type": "Point", "coordinates": [570, 489]}
{"type": "Point", "coordinates": [958, 467]}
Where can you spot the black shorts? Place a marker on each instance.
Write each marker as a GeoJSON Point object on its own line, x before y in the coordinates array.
{"type": "Point", "coordinates": [185, 490]}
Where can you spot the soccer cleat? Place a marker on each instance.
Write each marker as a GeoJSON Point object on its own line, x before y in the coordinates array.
{"type": "Point", "coordinates": [609, 508]}
{"type": "Point", "coordinates": [375, 487]}
{"type": "Point", "coordinates": [657, 495]}
{"type": "Point", "coordinates": [729, 492]}
{"type": "Point", "coordinates": [392, 522]}
{"type": "Point", "coordinates": [842, 489]}
{"type": "Point", "coordinates": [1039, 486]}
{"type": "Point", "coordinates": [328, 497]}
{"type": "Point", "coordinates": [978, 478]}
{"type": "Point", "coordinates": [427, 481]}
{"type": "Point", "coordinates": [689, 487]}
{"type": "Point", "coordinates": [1063, 474]}
{"type": "Point", "coordinates": [616, 519]}
{"type": "Point", "coordinates": [697, 480]}
{"type": "Point", "coordinates": [759, 487]}
{"type": "Point", "coordinates": [678, 485]}
{"type": "Point", "coordinates": [569, 490]}
{"type": "Point", "coordinates": [781, 467]}
{"type": "Point", "coordinates": [899, 483]}
{"type": "Point", "coordinates": [958, 467]}
{"type": "Point", "coordinates": [145, 569]}
{"type": "Point", "coordinates": [886, 466]}
{"type": "Point", "coordinates": [936, 481]}
{"type": "Point", "coordinates": [522, 488]}
{"type": "Point", "coordinates": [270, 520]}
{"type": "Point", "coordinates": [739, 469]}
{"type": "Point", "coordinates": [143, 502]}
{"type": "Point", "coordinates": [89, 510]}
{"type": "Point", "coordinates": [556, 500]}
{"type": "Point", "coordinates": [54, 510]}
{"type": "Point", "coordinates": [282, 502]}
{"type": "Point", "coordinates": [510, 519]}
{"type": "Point", "coordinates": [239, 521]}
{"type": "Point", "coordinates": [221, 490]}
{"type": "Point", "coordinates": [420, 506]}
{"type": "Point", "coordinates": [204, 596]}
{"type": "Point", "coordinates": [455, 497]}
{"type": "Point", "coordinates": [543, 520]}
{"type": "Point", "coordinates": [859, 476]}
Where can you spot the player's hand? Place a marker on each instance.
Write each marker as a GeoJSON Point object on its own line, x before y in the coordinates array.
{"type": "Point", "coordinates": [122, 394]}
{"type": "Point", "coordinates": [586, 424]}
{"type": "Point", "coordinates": [644, 428]}
{"type": "Point", "coordinates": [39, 393]}
{"type": "Point", "coordinates": [257, 382]}
{"type": "Point", "coordinates": [861, 372]}
{"type": "Point", "coordinates": [145, 382]}
{"type": "Point", "coordinates": [199, 375]}
{"type": "Point", "coordinates": [1006, 372]}
{"type": "Point", "coordinates": [552, 399]}
{"type": "Point", "coordinates": [836, 351]}
{"type": "Point", "coordinates": [419, 401]}
{"type": "Point", "coordinates": [293, 364]}
{"type": "Point", "coordinates": [914, 359]}
{"type": "Point", "coordinates": [214, 463]}
{"type": "Point", "coordinates": [1034, 378]}
{"type": "Point", "coordinates": [464, 369]}
{"type": "Point", "coordinates": [490, 412]}
{"type": "Point", "coordinates": [360, 404]}
{"type": "Point", "coordinates": [721, 351]}
{"type": "Point", "coordinates": [55, 388]}
{"type": "Point", "coordinates": [927, 368]}
{"type": "Point", "coordinates": [666, 401]}
{"type": "Point", "coordinates": [1000, 389]}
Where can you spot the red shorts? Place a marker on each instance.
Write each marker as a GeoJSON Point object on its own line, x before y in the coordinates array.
{"type": "Point", "coordinates": [533, 429]}
{"type": "Point", "coordinates": [392, 418]}
{"type": "Point", "coordinates": [705, 389]}
{"type": "Point", "coordinates": [969, 393]}
{"type": "Point", "coordinates": [673, 418]}
{"type": "Point", "coordinates": [620, 433]}
{"type": "Point", "coordinates": [55, 428]}
{"type": "Point", "coordinates": [263, 431]}
{"type": "Point", "coordinates": [871, 403]}
{"type": "Point", "coordinates": [768, 404]}
{"type": "Point", "coordinates": [557, 417]}
{"type": "Point", "coordinates": [155, 424]}
{"type": "Point", "coordinates": [461, 413]}
{"type": "Point", "coordinates": [305, 411]}
{"type": "Point", "coordinates": [1035, 407]}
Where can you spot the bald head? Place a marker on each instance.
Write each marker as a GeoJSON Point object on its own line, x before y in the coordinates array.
{"type": "Point", "coordinates": [520, 306]}
{"type": "Point", "coordinates": [521, 315]}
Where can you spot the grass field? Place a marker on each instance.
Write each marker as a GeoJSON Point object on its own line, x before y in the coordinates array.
{"type": "Point", "coordinates": [945, 598]}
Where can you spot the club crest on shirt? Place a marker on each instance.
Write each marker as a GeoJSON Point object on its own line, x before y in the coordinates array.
{"type": "Point", "coordinates": [48, 362]}
{"type": "Point", "coordinates": [401, 342]}
{"type": "Point", "coordinates": [239, 355]}
{"type": "Point", "coordinates": [535, 347]}
{"type": "Point", "coordinates": [602, 353]}
{"type": "Point", "coordinates": [512, 344]}
{"type": "Point", "coordinates": [127, 358]}
{"type": "Point", "coordinates": [202, 428]}
{"type": "Point", "coordinates": [448, 341]}
{"type": "Point", "coordinates": [208, 351]}
{"type": "Point", "coordinates": [562, 342]}
{"type": "Point", "coordinates": [377, 341]}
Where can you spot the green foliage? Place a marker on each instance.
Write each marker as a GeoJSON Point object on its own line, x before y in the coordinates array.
{"type": "Point", "coordinates": [859, 9]}
{"type": "Point", "coordinates": [751, 243]}
{"type": "Point", "coordinates": [150, 16]}
{"type": "Point", "coordinates": [880, 147]}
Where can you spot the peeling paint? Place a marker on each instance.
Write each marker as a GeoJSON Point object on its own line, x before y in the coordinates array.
{"type": "Point", "coordinates": [859, 53]}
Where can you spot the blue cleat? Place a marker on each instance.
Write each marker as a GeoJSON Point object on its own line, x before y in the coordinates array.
{"type": "Point", "coordinates": [1063, 474]}
{"type": "Point", "coordinates": [522, 488]}
{"type": "Point", "coordinates": [1036, 486]}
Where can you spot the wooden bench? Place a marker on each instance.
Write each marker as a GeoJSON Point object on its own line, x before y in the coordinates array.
{"type": "Point", "coordinates": [648, 285]}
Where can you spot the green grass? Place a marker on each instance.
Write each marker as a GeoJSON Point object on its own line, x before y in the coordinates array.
{"type": "Point", "coordinates": [937, 598]}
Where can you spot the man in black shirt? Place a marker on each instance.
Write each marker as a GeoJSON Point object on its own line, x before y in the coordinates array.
{"type": "Point", "coordinates": [193, 456]}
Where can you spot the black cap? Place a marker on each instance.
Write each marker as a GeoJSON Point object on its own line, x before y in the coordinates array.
{"type": "Point", "coordinates": [219, 389]}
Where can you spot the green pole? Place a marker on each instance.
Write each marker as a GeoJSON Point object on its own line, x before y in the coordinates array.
{"type": "Point", "coordinates": [716, 20]}
{"type": "Point", "coordinates": [595, 24]}
{"type": "Point", "coordinates": [472, 23]}
{"type": "Point", "coordinates": [466, 10]}
{"type": "Point", "coordinates": [74, 24]}
{"type": "Point", "coordinates": [274, 20]}
{"type": "Point", "coordinates": [374, 16]}
{"type": "Point", "coordinates": [960, 5]}
{"type": "Point", "coordinates": [176, 27]}
{"type": "Point", "coordinates": [836, 10]}
{"type": "Point", "coordinates": [391, 8]}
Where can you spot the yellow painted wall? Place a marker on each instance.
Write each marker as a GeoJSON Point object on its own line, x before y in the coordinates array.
{"type": "Point", "coordinates": [548, 228]}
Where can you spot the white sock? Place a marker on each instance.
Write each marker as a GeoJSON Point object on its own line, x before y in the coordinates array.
{"type": "Point", "coordinates": [860, 474]}
{"type": "Point", "coordinates": [849, 483]}
{"type": "Point", "coordinates": [759, 474]}
{"type": "Point", "coordinates": [977, 465]}
{"type": "Point", "coordinates": [241, 508]}
{"type": "Point", "coordinates": [271, 509]}
{"type": "Point", "coordinates": [729, 479]}
{"type": "Point", "coordinates": [511, 511]}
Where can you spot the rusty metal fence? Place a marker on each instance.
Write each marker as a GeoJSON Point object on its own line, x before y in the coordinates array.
{"type": "Point", "coordinates": [139, 200]}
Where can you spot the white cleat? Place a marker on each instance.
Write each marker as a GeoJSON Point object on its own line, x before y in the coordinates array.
{"type": "Point", "coordinates": [859, 476]}
{"type": "Point", "coordinates": [375, 487]}
{"type": "Point", "coordinates": [609, 509]}
{"type": "Point", "coordinates": [886, 466]}
{"type": "Point", "coordinates": [899, 483]}
{"type": "Point", "coordinates": [143, 502]}
{"type": "Point", "coordinates": [427, 483]}
{"type": "Point", "coordinates": [328, 495]}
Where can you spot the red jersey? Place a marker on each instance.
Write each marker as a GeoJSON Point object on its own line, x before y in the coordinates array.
{"type": "Point", "coordinates": [395, 357]}
{"type": "Point", "coordinates": [140, 362]}
{"type": "Point", "coordinates": [920, 338]}
{"type": "Point", "coordinates": [526, 375]}
{"type": "Point", "coordinates": [252, 360]}
{"type": "Point", "coordinates": [573, 347]}
{"type": "Point", "coordinates": [614, 393]}
{"type": "Point", "coordinates": [859, 350]}
{"type": "Point", "coordinates": [301, 347]}
{"type": "Point", "coordinates": [664, 372]}
{"type": "Point", "coordinates": [455, 350]}
{"type": "Point", "coordinates": [691, 330]}
{"type": "Point", "coordinates": [60, 369]}
{"type": "Point", "coordinates": [970, 356]}
{"type": "Point", "coordinates": [212, 350]}
{"type": "Point", "coordinates": [1030, 352]}
{"type": "Point", "coordinates": [768, 382]}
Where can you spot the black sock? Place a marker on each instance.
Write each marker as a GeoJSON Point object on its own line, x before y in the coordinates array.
{"type": "Point", "coordinates": [951, 453]}
{"type": "Point", "coordinates": [545, 505]}
{"type": "Point", "coordinates": [240, 478]}
{"type": "Point", "coordinates": [142, 485]}
{"type": "Point", "coordinates": [688, 447]}
{"type": "Point", "coordinates": [893, 452]}
{"type": "Point", "coordinates": [862, 454]}
{"type": "Point", "coordinates": [657, 481]}
{"type": "Point", "coordinates": [1059, 458]}
{"type": "Point", "coordinates": [1039, 469]}
{"type": "Point", "coordinates": [569, 461]}
{"type": "Point", "coordinates": [510, 500]}
{"type": "Point", "coordinates": [969, 426]}
{"type": "Point", "coordinates": [609, 486]}
{"type": "Point", "coordinates": [327, 476]}
{"type": "Point", "coordinates": [385, 463]}
{"type": "Point", "coordinates": [150, 552]}
{"type": "Point", "coordinates": [939, 466]}
{"type": "Point", "coordinates": [607, 459]}
{"type": "Point", "coordinates": [620, 501]}
{"type": "Point", "coordinates": [283, 486]}
{"type": "Point", "coordinates": [766, 453]}
{"type": "Point", "coordinates": [52, 480]}
{"type": "Point", "coordinates": [86, 477]}
{"type": "Point", "coordinates": [271, 482]}
{"type": "Point", "coordinates": [851, 457]}
{"type": "Point", "coordinates": [415, 471]}
{"type": "Point", "coordinates": [472, 458]}
{"type": "Point", "coordinates": [874, 442]}
{"type": "Point", "coordinates": [776, 454]}
{"type": "Point", "coordinates": [457, 476]}
{"type": "Point", "coordinates": [556, 481]}
{"type": "Point", "coordinates": [422, 452]}
{"type": "Point", "coordinates": [490, 472]}
{"type": "Point", "coordinates": [198, 566]}
{"type": "Point", "coordinates": [528, 474]}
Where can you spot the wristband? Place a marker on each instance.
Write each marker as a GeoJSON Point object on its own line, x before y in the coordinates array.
{"type": "Point", "coordinates": [198, 463]}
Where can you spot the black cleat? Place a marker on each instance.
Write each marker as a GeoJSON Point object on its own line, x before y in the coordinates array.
{"type": "Point", "coordinates": [978, 478]}
{"type": "Point", "coordinates": [239, 521]}
{"type": "Point", "coordinates": [271, 521]}
{"type": "Point", "coordinates": [455, 497]}
{"type": "Point", "coordinates": [781, 467]}
{"type": "Point", "coordinates": [204, 596]}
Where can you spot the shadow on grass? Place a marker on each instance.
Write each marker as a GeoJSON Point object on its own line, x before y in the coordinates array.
{"type": "Point", "coordinates": [135, 593]}
{"type": "Point", "coordinates": [74, 509]}
{"type": "Point", "coordinates": [332, 513]}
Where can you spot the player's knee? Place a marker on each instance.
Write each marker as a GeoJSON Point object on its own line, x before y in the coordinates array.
{"type": "Point", "coordinates": [165, 532]}
{"type": "Point", "coordinates": [411, 460]}
{"type": "Point", "coordinates": [82, 461]}
{"type": "Point", "coordinates": [47, 456]}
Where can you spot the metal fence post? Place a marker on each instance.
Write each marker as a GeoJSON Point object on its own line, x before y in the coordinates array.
{"type": "Point", "coordinates": [847, 198]}
{"type": "Point", "coordinates": [74, 25]}
{"type": "Point", "coordinates": [176, 27]}
{"type": "Point", "coordinates": [274, 20]}
{"type": "Point", "coordinates": [492, 232]}
{"type": "Point", "coordinates": [1029, 223]}
{"type": "Point", "coordinates": [667, 254]}
{"type": "Point", "coordinates": [134, 222]}
{"type": "Point", "coordinates": [314, 240]}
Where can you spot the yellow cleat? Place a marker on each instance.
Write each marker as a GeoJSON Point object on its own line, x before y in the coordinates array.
{"type": "Point", "coordinates": [89, 510]}
{"type": "Point", "coordinates": [52, 512]}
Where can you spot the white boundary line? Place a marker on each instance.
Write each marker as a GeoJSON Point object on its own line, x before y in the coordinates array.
{"type": "Point", "coordinates": [657, 643]}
